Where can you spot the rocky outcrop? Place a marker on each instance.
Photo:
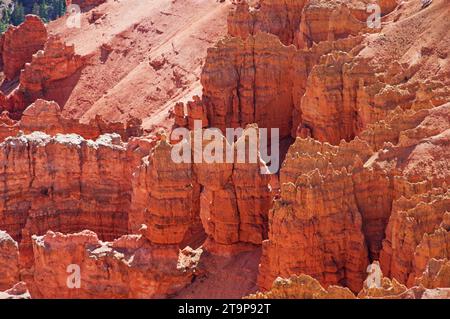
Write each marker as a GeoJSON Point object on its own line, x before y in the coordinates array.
{"type": "Point", "coordinates": [186, 114]}
{"type": "Point", "coordinates": [8, 126]}
{"type": "Point", "coordinates": [370, 187]}
{"type": "Point", "coordinates": [18, 44]}
{"type": "Point", "coordinates": [278, 17]}
{"type": "Point", "coordinates": [9, 261]}
{"type": "Point", "coordinates": [64, 183]}
{"type": "Point", "coordinates": [165, 198]}
{"type": "Point", "coordinates": [330, 20]}
{"type": "Point", "coordinates": [46, 116]}
{"type": "Point", "coordinates": [436, 274]}
{"type": "Point", "coordinates": [316, 226]}
{"type": "Point", "coordinates": [302, 287]}
{"type": "Point", "coordinates": [50, 75]}
{"type": "Point", "coordinates": [433, 284]}
{"type": "Point", "coordinates": [236, 195]}
{"type": "Point", "coordinates": [248, 82]}
{"type": "Point", "coordinates": [232, 199]}
{"type": "Point", "coordinates": [129, 267]}
{"type": "Point", "coordinates": [18, 291]}
{"type": "Point", "coordinates": [259, 80]}
{"type": "Point", "coordinates": [417, 231]}
{"type": "Point", "coordinates": [304, 22]}
{"type": "Point", "coordinates": [53, 183]}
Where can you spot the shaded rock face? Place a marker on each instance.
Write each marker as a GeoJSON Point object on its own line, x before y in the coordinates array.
{"type": "Point", "coordinates": [9, 261]}
{"type": "Point", "coordinates": [303, 22]}
{"type": "Point", "coordinates": [278, 17]}
{"type": "Point", "coordinates": [129, 267]}
{"type": "Point", "coordinates": [259, 80]}
{"type": "Point", "coordinates": [248, 82]}
{"type": "Point", "coordinates": [18, 44]}
{"type": "Point", "coordinates": [50, 73]}
{"type": "Point", "coordinates": [330, 20]}
{"type": "Point", "coordinates": [316, 226]}
{"type": "Point", "coordinates": [230, 200]}
{"type": "Point", "coordinates": [165, 198]}
{"type": "Point", "coordinates": [235, 197]}
{"type": "Point", "coordinates": [397, 211]}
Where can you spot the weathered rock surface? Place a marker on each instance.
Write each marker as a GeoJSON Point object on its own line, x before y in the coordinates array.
{"type": "Point", "coordinates": [278, 17]}
{"type": "Point", "coordinates": [129, 267]}
{"type": "Point", "coordinates": [302, 287]}
{"type": "Point", "coordinates": [165, 197]}
{"type": "Point", "coordinates": [365, 180]}
{"type": "Point", "coordinates": [67, 182]}
{"type": "Point", "coordinates": [330, 208]}
{"type": "Point", "coordinates": [18, 44]}
{"type": "Point", "coordinates": [436, 274]}
{"type": "Point", "coordinates": [8, 126]}
{"type": "Point", "coordinates": [433, 284]}
{"type": "Point", "coordinates": [417, 232]}
{"type": "Point", "coordinates": [330, 20]}
{"type": "Point", "coordinates": [18, 291]}
{"type": "Point", "coordinates": [235, 197]}
{"type": "Point", "coordinates": [247, 82]}
{"type": "Point", "coordinates": [64, 183]}
{"type": "Point", "coordinates": [232, 199]}
{"type": "Point", "coordinates": [9, 261]}
{"type": "Point", "coordinates": [46, 116]}
{"type": "Point", "coordinates": [304, 22]}
{"type": "Point", "coordinates": [259, 80]}
{"type": "Point", "coordinates": [50, 74]}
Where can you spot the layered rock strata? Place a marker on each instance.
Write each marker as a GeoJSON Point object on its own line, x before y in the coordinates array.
{"type": "Point", "coordinates": [18, 44]}
{"type": "Point", "coordinates": [128, 267]}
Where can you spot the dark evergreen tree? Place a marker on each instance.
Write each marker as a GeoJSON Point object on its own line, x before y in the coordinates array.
{"type": "Point", "coordinates": [18, 15]}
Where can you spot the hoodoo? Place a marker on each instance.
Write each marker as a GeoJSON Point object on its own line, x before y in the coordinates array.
{"type": "Point", "coordinates": [225, 149]}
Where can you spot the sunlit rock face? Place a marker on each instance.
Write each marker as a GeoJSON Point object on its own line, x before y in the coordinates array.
{"type": "Point", "coordinates": [92, 197]}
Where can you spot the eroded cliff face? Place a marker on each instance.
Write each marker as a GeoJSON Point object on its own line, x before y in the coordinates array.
{"type": "Point", "coordinates": [231, 199]}
{"type": "Point", "coordinates": [432, 284]}
{"type": "Point", "coordinates": [278, 17]}
{"type": "Point", "coordinates": [46, 116]}
{"type": "Point", "coordinates": [50, 72]}
{"type": "Point", "coordinates": [365, 179]}
{"type": "Point", "coordinates": [329, 211]}
{"type": "Point", "coordinates": [165, 198]}
{"type": "Point", "coordinates": [18, 44]}
{"type": "Point", "coordinates": [400, 189]}
{"type": "Point", "coordinates": [128, 267]}
{"type": "Point", "coordinates": [64, 183]}
{"type": "Point", "coordinates": [9, 261]}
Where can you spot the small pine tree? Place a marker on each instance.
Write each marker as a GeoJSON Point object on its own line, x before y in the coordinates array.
{"type": "Point", "coordinates": [62, 7]}
{"type": "Point", "coordinates": [36, 9]}
{"type": "Point", "coordinates": [43, 11]}
{"type": "Point", "coordinates": [18, 15]}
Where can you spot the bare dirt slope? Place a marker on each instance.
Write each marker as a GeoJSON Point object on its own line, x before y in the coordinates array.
{"type": "Point", "coordinates": [143, 55]}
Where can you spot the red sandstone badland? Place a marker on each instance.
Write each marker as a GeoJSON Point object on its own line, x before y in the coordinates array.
{"type": "Point", "coordinates": [89, 183]}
